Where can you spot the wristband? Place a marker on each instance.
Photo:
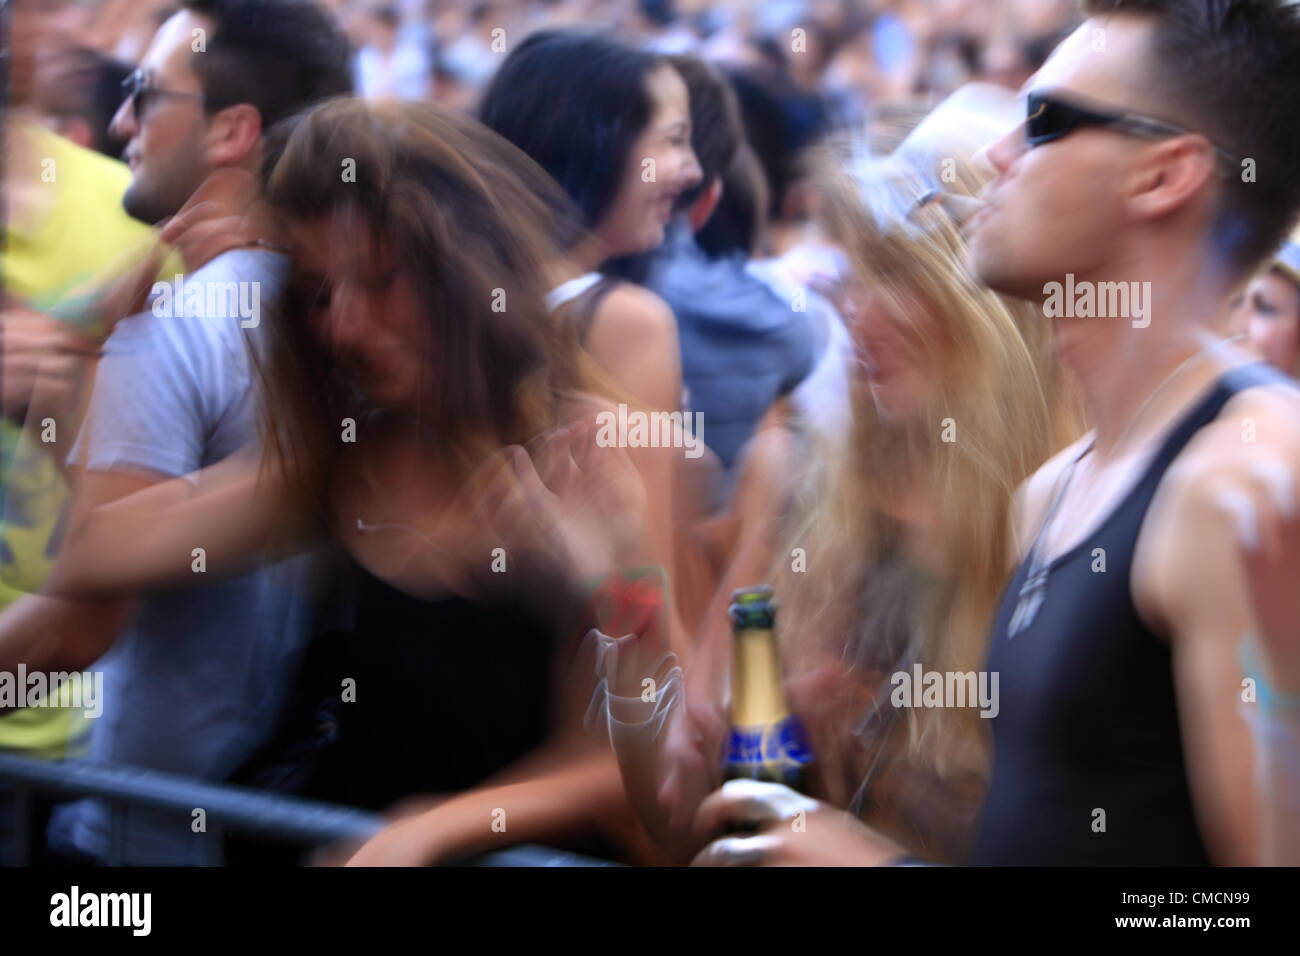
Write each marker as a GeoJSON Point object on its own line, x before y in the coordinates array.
{"type": "Point", "coordinates": [612, 716]}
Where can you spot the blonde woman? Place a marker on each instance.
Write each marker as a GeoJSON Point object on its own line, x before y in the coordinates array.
{"type": "Point", "coordinates": [903, 532]}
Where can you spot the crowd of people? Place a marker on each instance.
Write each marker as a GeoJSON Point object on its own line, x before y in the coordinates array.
{"type": "Point", "coordinates": [396, 394]}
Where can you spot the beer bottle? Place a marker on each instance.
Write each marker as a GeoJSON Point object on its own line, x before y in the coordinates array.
{"type": "Point", "coordinates": [766, 742]}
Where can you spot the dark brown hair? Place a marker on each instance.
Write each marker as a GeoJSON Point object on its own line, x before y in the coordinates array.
{"type": "Point", "coordinates": [281, 56]}
{"type": "Point", "coordinates": [574, 100]}
{"type": "Point", "coordinates": [716, 132]}
{"type": "Point", "coordinates": [468, 217]}
{"type": "Point", "coordinates": [1228, 69]}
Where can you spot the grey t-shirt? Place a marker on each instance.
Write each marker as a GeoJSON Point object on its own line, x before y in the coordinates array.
{"type": "Point", "coordinates": [196, 683]}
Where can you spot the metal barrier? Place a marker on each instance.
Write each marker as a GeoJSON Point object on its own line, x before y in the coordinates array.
{"type": "Point", "coordinates": [282, 819]}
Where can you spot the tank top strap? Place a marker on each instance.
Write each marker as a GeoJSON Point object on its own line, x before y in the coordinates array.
{"type": "Point", "coordinates": [1231, 383]}
{"type": "Point", "coordinates": [566, 292]}
{"type": "Point", "coordinates": [581, 298]}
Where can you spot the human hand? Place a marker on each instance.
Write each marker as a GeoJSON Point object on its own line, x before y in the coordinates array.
{"type": "Point", "coordinates": [791, 830]}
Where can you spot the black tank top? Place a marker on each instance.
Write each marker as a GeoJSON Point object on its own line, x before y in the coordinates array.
{"type": "Point", "coordinates": [443, 694]}
{"type": "Point", "coordinates": [1088, 718]}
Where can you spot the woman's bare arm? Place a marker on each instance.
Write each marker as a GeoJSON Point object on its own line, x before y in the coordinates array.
{"type": "Point", "coordinates": [218, 521]}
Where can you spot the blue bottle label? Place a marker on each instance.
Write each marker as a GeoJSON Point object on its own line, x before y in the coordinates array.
{"type": "Point", "coordinates": [776, 751]}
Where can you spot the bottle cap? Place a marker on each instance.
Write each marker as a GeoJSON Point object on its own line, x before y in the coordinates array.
{"type": "Point", "coordinates": [752, 608]}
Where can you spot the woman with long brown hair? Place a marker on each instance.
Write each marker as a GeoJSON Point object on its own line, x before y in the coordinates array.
{"type": "Point", "coordinates": [410, 362]}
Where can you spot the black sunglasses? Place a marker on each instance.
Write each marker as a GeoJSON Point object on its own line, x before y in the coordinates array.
{"type": "Point", "coordinates": [136, 88]}
{"type": "Point", "coordinates": [1049, 117]}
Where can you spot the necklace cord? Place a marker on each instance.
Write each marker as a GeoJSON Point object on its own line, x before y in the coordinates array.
{"type": "Point", "coordinates": [1036, 564]}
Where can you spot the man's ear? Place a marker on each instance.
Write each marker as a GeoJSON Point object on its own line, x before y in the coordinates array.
{"type": "Point", "coordinates": [704, 206]}
{"type": "Point", "coordinates": [234, 134]}
{"type": "Point", "coordinates": [1172, 174]}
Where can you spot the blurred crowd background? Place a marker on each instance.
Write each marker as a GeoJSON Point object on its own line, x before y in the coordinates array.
{"type": "Point", "coordinates": [834, 62]}
{"type": "Point", "coordinates": [744, 279]}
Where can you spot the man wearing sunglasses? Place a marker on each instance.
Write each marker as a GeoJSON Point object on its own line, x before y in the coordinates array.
{"type": "Point", "coordinates": [193, 678]}
{"type": "Point", "coordinates": [1160, 146]}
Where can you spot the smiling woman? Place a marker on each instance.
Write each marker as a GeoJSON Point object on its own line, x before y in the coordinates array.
{"type": "Point", "coordinates": [612, 125]}
{"type": "Point", "coordinates": [609, 122]}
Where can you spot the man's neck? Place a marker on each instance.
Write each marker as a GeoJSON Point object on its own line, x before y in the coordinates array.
{"type": "Point", "coordinates": [236, 192]}
{"type": "Point", "coordinates": [1119, 366]}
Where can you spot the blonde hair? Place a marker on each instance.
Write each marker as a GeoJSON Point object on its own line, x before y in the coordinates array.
{"type": "Point", "coordinates": [998, 395]}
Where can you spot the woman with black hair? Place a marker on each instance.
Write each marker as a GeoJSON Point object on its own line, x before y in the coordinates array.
{"type": "Point", "coordinates": [612, 125]}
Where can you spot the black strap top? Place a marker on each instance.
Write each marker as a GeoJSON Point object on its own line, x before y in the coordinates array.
{"type": "Point", "coordinates": [1088, 752]}
{"type": "Point", "coordinates": [415, 697]}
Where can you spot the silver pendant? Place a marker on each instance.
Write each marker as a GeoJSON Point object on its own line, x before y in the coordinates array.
{"type": "Point", "coordinates": [1032, 593]}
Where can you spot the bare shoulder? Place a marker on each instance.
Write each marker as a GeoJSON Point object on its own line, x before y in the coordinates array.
{"type": "Point", "coordinates": [1258, 429]}
{"type": "Point", "coordinates": [631, 311]}
{"type": "Point", "coordinates": [1224, 487]}
{"type": "Point", "coordinates": [633, 337]}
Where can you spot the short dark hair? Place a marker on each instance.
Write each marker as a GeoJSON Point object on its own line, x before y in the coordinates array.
{"type": "Point", "coordinates": [281, 56]}
{"type": "Point", "coordinates": [780, 122]}
{"type": "Point", "coordinates": [1227, 68]}
{"type": "Point", "coordinates": [574, 101]}
{"type": "Point", "coordinates": [738, 224]}
{"type": "Point", "coordinates": [89, 87]}
{"type": "Point", "coordinates": [716, 132]}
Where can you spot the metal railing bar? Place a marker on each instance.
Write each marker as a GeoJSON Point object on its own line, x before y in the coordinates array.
{"type": "Point", "coordinates": [281, 818]}
{"type": "Point", "coordinates": [291, 819]}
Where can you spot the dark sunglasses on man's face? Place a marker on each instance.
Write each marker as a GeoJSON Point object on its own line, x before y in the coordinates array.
{"type": "Point", "coordinates": [1049, 117]}
{"type": "Point", "coordinates": [137, 89]}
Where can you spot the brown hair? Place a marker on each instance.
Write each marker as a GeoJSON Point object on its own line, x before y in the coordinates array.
{"type": "Point", "coordinates": [470, 220]}
{"type": "Point", "coordinates": [1227, 68]}
{"type": "Point", "coordinates": [716, 131]}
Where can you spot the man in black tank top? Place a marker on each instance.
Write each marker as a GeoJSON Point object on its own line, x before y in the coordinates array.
{"type": "Point", "coordinates": [1121, 737]}
{"type": "Point", "coordinates": [1128, 203]}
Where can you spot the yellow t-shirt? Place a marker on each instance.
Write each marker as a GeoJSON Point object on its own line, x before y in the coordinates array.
{"type": "Point", "coordinates": [78, 236]}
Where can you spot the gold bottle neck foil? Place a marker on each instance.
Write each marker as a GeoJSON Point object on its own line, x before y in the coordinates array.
{"type": "Point", "coordinates": [756, 694]}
